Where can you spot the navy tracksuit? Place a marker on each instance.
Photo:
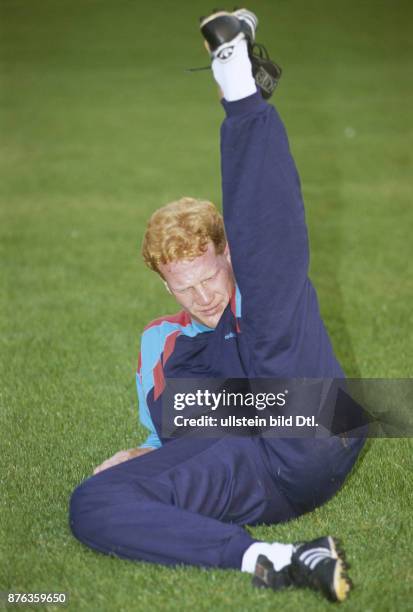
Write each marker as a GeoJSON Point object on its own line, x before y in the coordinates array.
{"type": "Point", "coordinates": [186, 501]}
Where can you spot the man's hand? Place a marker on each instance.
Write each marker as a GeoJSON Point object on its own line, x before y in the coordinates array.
{"type": "Point", "coordinates": [120, 457]}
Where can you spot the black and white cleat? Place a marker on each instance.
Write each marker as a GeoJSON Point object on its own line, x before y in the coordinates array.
{"type": "Point", "coordinates": [321, 566]}
{"type": "Point", "coordinates": [222, 30]}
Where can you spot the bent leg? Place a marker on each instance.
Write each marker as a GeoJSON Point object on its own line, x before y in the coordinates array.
{"type": "Point", "coordinates": [183, 503]}
{"type": "Point", "coordinates": [310, 471]}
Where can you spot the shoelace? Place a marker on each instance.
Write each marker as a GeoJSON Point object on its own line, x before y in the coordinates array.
{"type": "Point", "coordinates": [255, 49]}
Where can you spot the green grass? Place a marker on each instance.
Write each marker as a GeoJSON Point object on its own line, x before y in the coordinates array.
{"type": "Point", "coordinates": [99, 126]}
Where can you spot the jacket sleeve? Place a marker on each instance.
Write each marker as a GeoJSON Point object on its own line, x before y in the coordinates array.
{"type": "Point", "coordinates": [145, 418]}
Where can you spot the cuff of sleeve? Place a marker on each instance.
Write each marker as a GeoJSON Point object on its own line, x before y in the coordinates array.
{"type": "Point", "coordinates": [250, 104]}
{"type": "Point", "coordinates": [152, 441]}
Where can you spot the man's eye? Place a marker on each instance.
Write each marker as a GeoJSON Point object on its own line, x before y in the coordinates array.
{"type": "Point", "coordinates": [211, 277]}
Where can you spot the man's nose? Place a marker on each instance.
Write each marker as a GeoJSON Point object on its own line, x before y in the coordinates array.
{"type": "Point", "coordinates": [203, 295]}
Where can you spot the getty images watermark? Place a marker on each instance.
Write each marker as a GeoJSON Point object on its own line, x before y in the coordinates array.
{"type": "Point", "coordinates": [303, 407]}
{"type": "Point", "coordinates": [214, 401]}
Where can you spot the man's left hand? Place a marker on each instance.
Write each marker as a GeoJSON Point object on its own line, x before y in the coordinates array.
{"type": "Point", "coordinates": [121, 457]}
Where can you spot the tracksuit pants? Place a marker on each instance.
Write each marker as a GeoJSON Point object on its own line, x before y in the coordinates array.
{"type": "Point", "coordinates": [187, 501]}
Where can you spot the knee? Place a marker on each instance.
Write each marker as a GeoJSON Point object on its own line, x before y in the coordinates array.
{"type": "Point", "coordinates": [82, 509]}
{"type": "Point", "coordinates": [96, 502]}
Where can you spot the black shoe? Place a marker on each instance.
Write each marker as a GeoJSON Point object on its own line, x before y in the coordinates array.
{"type": "Point", "coordinates": [265, 72]}
{"type": "Point", "coordinates": [319, 565]}
{"type": "Point", "coordinates": [222, 30]}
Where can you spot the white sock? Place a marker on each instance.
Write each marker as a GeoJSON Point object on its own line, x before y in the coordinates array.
{"type": "Point", "coordinates": [234, 75]}
{"type": "Point", "coordinates": [278, 554]}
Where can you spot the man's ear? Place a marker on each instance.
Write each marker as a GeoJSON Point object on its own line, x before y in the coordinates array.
{"type": "Point", "coordinates": [227, 253]}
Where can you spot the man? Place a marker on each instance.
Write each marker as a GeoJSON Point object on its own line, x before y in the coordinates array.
{"type": "Point", "coordinates": [248, 311]}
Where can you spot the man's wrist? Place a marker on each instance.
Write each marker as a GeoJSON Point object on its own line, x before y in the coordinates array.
{"type": "Point", "coordinates": [141, 450]}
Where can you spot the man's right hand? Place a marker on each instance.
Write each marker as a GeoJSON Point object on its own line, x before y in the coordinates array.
{"type": "Point", "coordinates": [120, 457]}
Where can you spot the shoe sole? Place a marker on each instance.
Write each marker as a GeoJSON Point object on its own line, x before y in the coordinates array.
{"type": "Point", "coordinates": [342, 584]}
{"type": "Point", "coordinates": [213, 16]}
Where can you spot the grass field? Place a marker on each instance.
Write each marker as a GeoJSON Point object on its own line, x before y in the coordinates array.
{"type": "Point", "coordinates": [99, 126]}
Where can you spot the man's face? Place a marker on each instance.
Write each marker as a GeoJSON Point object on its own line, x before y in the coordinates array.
{"type": "Point", "coordinates": [202, 286]}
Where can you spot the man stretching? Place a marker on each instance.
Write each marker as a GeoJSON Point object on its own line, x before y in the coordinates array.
{"type": "Point", "coordinates": [249, 310]}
